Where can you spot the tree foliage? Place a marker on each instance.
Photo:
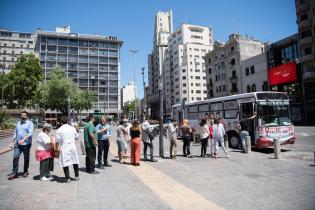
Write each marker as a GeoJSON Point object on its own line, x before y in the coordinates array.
{"type": "Point", "coordinates": [22, 82]}
{"type": "Point", "coordinates": [5, 121]}
{"type": "Point", "coordinates": [55, 92]}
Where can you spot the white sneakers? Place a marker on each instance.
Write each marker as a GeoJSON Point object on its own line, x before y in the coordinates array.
{"type": "Point", "coordinates": [44, 179]}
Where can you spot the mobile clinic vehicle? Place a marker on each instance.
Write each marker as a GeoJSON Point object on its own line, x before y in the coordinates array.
{"type": "Point", "coordinates": [272, 121]}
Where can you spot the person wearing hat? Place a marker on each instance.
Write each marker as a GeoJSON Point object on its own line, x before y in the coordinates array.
{"type": "Point", "coordinates": [44, 152]}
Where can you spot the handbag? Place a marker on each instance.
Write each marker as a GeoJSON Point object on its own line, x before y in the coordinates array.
{"type": "Point", "coordinates": [55, 150]}
{"type": "Point", "coordinates": [151, 136]}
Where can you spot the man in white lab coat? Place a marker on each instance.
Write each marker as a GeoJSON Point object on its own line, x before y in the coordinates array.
{"type": "Point", "coordinates": [66, 136]}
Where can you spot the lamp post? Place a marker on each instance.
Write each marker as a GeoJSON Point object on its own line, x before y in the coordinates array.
{"type": "Point", "coordinates": [2, 87]}
{"type": "Point", "coordinates": [144, 94]}
{"type": "Point", "coordinates": [134, 80]}
{"type": "Point", "coordinates": [69, 108]}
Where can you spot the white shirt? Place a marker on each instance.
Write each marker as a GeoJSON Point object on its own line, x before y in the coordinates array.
{"type": "Point", "coordinates": [218, 131]}
{"type": "Point", "coordinates": [203, 131]}
{"type": "Point", "coordinates": [145, 127]}
{"type": "Point", "coordinates": [66, 136]}
{"type": "Point", "coordinates": [43, 141]}
{"type": "Point", "coordinates": [171, 131]}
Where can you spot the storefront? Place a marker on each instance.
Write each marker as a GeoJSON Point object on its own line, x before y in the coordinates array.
{"type": "Point", "coordinates": [287, 78]}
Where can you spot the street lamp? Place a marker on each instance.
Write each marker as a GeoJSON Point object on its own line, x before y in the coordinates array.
{"type": "Point", "coordinates": [134, 80]}
{"type": "Point", "coordinates": [2, 87]}
{"type": "Point", "coordinates": [69, 108]}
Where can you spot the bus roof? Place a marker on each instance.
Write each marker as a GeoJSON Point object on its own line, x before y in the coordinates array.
{"type": "Point", "coordinates": [239, 96]}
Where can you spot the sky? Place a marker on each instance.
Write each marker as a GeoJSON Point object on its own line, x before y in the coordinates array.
{"type": "Point", "coordinates": [132, 21]}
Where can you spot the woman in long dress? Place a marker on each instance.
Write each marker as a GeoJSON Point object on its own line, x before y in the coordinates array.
{"type": "Point", "coordinates": [135, 133]}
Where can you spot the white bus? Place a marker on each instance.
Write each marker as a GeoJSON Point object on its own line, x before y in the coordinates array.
{"type": "Point", "coordinates": [273, 116]}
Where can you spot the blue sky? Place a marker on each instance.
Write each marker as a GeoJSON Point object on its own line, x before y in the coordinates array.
{"type": "Point", "coordinates": [133, 20]}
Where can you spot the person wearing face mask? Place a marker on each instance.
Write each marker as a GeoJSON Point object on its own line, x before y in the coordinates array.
{"type": "Point", "coordinates": [44, 152]}
{"type": "Point", "coordinates": [22, 139]}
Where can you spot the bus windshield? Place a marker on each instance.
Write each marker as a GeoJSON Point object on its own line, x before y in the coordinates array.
{"type": "Point", "coordinates": [274, 113]}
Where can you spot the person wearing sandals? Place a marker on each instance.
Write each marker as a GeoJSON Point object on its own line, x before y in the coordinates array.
{"type": "Point", "coordinates": [219, 132]}
{"type": "Point", "coordinates": [44, 152]}
{"type": "Point", "coordinates": [186, 133]}
{"type": "Point", "coordinates": [135, 133]}
{"type": "Point", "coordinates": [122, 134]}
{"type": "Point", "coordinates": [204, 136]}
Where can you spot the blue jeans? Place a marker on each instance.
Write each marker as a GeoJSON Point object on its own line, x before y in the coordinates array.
{"type": "Point", "coordinates": [18, 149]}
{"type": "Point", "coordinates": [145, 147]}
{"type": "Point", "coordinates": [244, 135]}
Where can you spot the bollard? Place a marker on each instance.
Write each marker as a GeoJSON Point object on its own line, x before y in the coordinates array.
{"type": "Point", "coordinates": [226, 142]}
{"type": "Point", "coordinates": [276, 148]}
{"type": "Point", "coordinates": [248, 145]}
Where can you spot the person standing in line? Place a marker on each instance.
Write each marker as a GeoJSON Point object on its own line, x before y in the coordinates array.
{"type": "Point", "coordinates": [135, 133]}
{"type": "Point", "coordinates": [212, 143]}
{"type": "Point", "coordinates": [219, 132]}
{"type": "Point", "coordinates": [104, 133]}
{"type": "Point", "coordinates": [65, 137]}
{"type": "Point", "coordinates": [44, 152]}
{"type": "Point", "coordinates": [22, 139]}
{"type": "Point", "coordinates": [204, 136]}
{"type": "Point", "coordinates": [245, 127]}
{"type": "Point", "coordinates": [186, 135]}
{"type": "Point", "coordinates": [147, 142]}
{"type": "Point", "coordinates": [172, 137]}
{"type": "Point", "coordinates": [127, 125]}
{"type": "Point", "coordinates": [121, 136]}
{"type": "Point", "coordinates": [90, 143]}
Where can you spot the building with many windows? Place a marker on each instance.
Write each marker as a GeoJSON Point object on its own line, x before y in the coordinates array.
{"type": "Point", "coordinates": [305, 12]}
{"type": "Point", "coordinates": [12, 45]}
{"type": "Point", "coordinates": [163, 28]}
{"type": "Point", "coordinates": [254, 74]}
{"type": "Point", "coordinates": [224, 64]}
{"type": "Point", "coordinates": [91, 61]}
{"type": "Point", "coordinates": [184, 65]}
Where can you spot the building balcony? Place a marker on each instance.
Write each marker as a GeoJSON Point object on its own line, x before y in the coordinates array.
{"type": "Point", "coordinates": [305, 24]}
{"type": "Point", "coordinates": [307, 58]}
{"type": "Point", "coordinates": [306, 41]}
{"type": "Point", "coordinates": [303, 7]}
{"type": "Point", "coordinates": [233, 79]}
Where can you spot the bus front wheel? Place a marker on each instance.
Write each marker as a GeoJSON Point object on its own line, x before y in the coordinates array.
{"type": "Point", "coordinates": [234, 141]}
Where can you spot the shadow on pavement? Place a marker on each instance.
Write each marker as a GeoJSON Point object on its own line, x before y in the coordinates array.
{"type": "Point", "coordinates": [268, 150]}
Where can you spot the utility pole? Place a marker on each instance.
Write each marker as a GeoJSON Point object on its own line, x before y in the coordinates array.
{"type": "Point", "coordinates": [134, 80]}
{"type": "Point", "coordinates": [69, 108]}
{"type": "Point", "coordinates": [144, 95]}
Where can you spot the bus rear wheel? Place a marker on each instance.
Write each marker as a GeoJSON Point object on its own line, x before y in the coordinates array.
{"type": "Point", "coordinates": [234, 141]}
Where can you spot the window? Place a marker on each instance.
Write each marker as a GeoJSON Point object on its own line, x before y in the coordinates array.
{"type": "Point", "coordinates": [308, 51]}
{"type": "Point", "coordinates": [197, 77]}
{"type": "Point", "coordinates": [184, 84]}
{"type": "Point", "coordinates": [191, 84]}
{"type": "Point", "coordinates": [253, 88]}
{"type": "Point", "coordinates": [306, 34]}
{"type": "Point", "coordinates": [224, 88]}
{"type": "Point", "coordinates": [184, 91]}
{"type": "Point", "coordinates": [232, 49]}
{"type": "Point", "coordinates": [247, 71]}
{"type": "Point", "coordinates": [248, 88]}
{"type": "Point", "coordinates": [184, 78]}
{"type": "Point", "coordinates": [210, 70]}
{"type": "Point", "coordinates": [252, 70]}
{"type": "Point", "coordinates": [233, 61]}
{"type": "Point", "coordinates": [304, 17]}
{"type": "Point", "coordinates": [192, 91]}
{"type": "Point", "coordinates": [198, 91]}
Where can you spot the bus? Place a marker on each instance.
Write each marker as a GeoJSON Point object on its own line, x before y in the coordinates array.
{"type": "Point", "coordinates": [272, 109]}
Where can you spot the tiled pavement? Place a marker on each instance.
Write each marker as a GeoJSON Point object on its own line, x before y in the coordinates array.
{"type": "Point", "coordinates": [254, 181]}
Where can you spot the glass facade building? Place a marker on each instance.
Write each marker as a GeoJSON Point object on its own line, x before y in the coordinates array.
{"type": "Point", "coordinates": [91, 61]}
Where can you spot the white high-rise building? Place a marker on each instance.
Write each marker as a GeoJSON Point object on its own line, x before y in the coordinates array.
{"type": "Point", "coordinates": [162, 29]}
{"type": "Point", "coordinates": [12, 45]}
{"type": "Point", "coordinates": [224, 64]}
{"type": "Point", "coordinates": [185, 73]}
{"type": "Point", "coordinates": [128, 93]}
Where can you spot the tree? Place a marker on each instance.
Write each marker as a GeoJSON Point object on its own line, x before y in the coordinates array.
{"type": "Point", "coordinates": [5, 121]}
{"type": "Point", "coordinates": [24, 79]}
{"type": "Point", "coordinates": [55, 92]}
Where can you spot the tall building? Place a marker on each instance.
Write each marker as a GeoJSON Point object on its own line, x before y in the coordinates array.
{"type": "Point", "coordinates": [91, 61]}
{"type": "Point", "coordinates": [223, 64]}
{"type": "Point", "coordinates": [128, 93]}
{"type": "Point", "coordinates": [305, 12]}
{"type": "Point", "coordinates": [254, 74]}
{"type": "Point", "coordinates": [12, 45]}
{"type": "Point", "coordinates": [285, 72]}
{"type": "Point", "coordinates": [185, 73]}
{"type": "Point", "coordinates": [163, 27]}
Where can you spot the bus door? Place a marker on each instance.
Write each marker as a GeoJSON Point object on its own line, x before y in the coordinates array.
{"type": "Point", "coordinates": [246, 110]}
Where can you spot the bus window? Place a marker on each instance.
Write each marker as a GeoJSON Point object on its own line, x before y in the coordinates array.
{"type": "Point", "coordinates": [246, 110]}
{"type": "Point", "coordinates": [216, 106]}
{"type": "Point", "coordinates": [230, 114]}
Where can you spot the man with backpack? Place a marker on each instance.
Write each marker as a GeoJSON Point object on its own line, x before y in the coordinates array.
{"type": "Point", "coordinates": [147, 138]}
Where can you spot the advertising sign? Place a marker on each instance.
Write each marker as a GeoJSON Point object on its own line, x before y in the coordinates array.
{"type": "Point", "coordinates": [282, 74]}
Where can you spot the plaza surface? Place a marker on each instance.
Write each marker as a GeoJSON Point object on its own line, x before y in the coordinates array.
{"type": "Point", "coordinates": [245, 181]}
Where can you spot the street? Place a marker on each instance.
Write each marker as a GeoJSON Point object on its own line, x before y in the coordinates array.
{"type": "Point", "coordinates": [245, 181]}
